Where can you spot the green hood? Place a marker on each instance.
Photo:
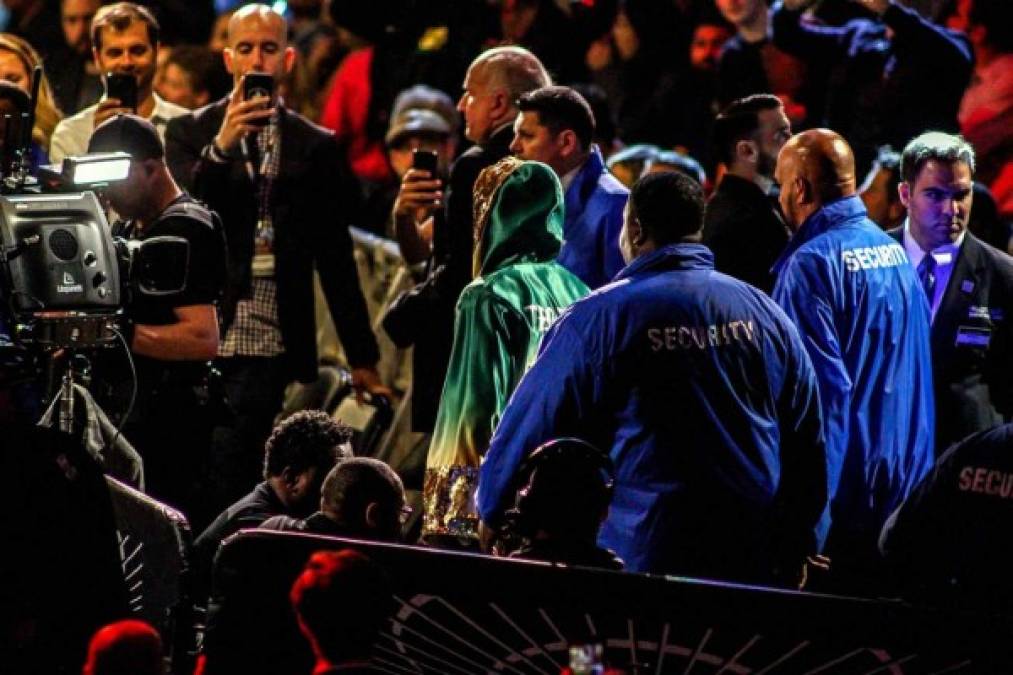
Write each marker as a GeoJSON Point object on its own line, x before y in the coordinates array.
{"type": "Point", "coordinates": [518, 215]}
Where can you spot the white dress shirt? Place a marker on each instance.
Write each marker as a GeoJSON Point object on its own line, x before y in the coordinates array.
{"type": "Point", "coordinates": [945, 257]}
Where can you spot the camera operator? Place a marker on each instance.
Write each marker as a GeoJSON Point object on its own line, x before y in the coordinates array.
{"type": "Point", "coordinates": [172, 337]}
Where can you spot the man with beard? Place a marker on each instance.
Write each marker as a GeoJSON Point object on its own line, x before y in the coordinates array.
{"type": "Point", "coordinates": [285, 197]}
{"type": "Point", "coordinates": [742, 225]}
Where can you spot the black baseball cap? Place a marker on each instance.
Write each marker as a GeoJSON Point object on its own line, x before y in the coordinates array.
{"type": "Point", "coordinates": [131, 134]}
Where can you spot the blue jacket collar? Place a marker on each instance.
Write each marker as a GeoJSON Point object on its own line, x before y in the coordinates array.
{"type": "Point", "coordinates": [673, 256]}
{"type": "Point", "coordinates": [586, 179]}
{"type": "Point", "coordinates": [833, 215]}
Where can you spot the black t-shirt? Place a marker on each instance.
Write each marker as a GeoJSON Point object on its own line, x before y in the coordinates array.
{"type": "Point", "coordinates": [205, 273]}
{"type": "Point", "coordinates": [204, 285]}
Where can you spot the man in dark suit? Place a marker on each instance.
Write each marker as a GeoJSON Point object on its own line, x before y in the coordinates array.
{"type": "Point", "coordinates": [437, 243]}
{"type": "Point", "coordinates": [742, 225]}
{"type": "Point", "coordinates": [283, 193]}
{"type": "Point", "coordinates": [969, 285]}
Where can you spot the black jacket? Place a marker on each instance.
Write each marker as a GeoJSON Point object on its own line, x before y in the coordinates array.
{"type": "Point", "coordinates": [947, 542]}
{"type": "Point", "coordinates": [744, 231]}
{"type": "Point", "coordinates": [424, 315]}
{"type": "Point", "coordinates": [313, 200]}
{"type": "Point", "coordinates": [972, 343]}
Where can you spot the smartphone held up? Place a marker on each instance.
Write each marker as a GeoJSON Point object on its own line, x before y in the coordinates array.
{"type": "Point", "coordinates": [259, 85]}
{"type": "Point", "coordinates": [425, 160]}
{"type": "Point", "coordinates": [123, 88]}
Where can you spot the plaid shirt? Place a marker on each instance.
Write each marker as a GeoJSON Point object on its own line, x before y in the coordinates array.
{"type": "Point", "coordinates": [255, 330]}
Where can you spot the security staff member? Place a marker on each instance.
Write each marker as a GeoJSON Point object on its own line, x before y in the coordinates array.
{"type": "Point", "coordinates": [947, 542]}
{"type": "Point", "coordinates": [855, 299]}
{"type": "Point", "coordinates": [174, 336]}
{"type": "Point", "coordinates": [701, 390]}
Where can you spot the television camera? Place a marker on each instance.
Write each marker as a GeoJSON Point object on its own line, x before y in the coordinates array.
{"type": "Point", "coordinates": [64, 277]}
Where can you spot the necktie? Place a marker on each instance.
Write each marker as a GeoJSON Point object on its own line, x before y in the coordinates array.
{"type": "Point", "coordinates": [927, 275]}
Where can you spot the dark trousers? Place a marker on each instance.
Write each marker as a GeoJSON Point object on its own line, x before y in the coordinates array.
{"type": "Point", "coordinates": [171, 429]}
{"type": "Point", "coordinates": [254, 389]}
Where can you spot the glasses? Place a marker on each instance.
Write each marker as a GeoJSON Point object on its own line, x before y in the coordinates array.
{"type": "Point", "coordinates": [406, 513]}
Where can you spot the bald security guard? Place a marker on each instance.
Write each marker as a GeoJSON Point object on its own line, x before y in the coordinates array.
{"type": "Point", "coordinates": [864, 319]}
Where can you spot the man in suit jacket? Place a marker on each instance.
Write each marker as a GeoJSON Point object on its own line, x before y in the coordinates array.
{"type": "Point", "coordinates": [424, 316]}
{"type": "Point", "coordinates": [281, 188]}
{"type": "Point", "coordinates": [969, 285]}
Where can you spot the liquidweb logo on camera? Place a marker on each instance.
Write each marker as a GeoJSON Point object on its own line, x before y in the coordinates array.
{"type": "Point", "coordinates": [69, 285]}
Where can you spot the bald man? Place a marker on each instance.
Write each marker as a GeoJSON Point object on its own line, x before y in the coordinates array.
{"type": "Point", "coordinates": [865, 322]}
{"type": "Point", "coordinates": [285, 196]}
{"type": "Point", "coordinates": [424, 319]}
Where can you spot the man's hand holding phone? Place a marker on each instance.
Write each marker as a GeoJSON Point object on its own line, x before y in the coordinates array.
{"type": "Point", "coordinates": [120, 98]}
{"type": "Point", "coordinates": [418, 198]}
{"type": "Point", "coordinates": [243, 115]}
{"type": "Point", "coordinates": [420, 192]}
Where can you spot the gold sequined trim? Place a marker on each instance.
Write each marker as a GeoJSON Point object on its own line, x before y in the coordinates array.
{"type": "Point", "coordinates": [448, 495]}
{"type": "Point", "coordinates": [487, 185]}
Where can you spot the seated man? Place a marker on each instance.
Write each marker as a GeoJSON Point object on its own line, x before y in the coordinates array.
{"type": "Point", "coordinates": [944, 543]}
{"type": "Point", "coordinates": [565, 489]}
{"type": "Point", "coordinates": [342, 601]}
{"type": "Point", "coordinates": [673, 160]}
{"type": "Point", "coordinates": [297, 456]}
{"type": "Point", "coordinates": [361, 497]}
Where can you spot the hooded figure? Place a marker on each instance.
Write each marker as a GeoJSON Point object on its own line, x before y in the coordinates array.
{"type": "Point", "coordinates": [518, 292]}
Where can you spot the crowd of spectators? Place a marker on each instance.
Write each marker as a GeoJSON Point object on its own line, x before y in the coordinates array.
{"type": "Point", "coordinates": [876, 71]}
{"type": "Point", "coordinates": [652, 142]}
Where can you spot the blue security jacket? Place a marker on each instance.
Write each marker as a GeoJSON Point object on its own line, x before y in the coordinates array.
{"type": "Point", "coordinates": [865, 321]}
{"type": "Point", "coordinates": [594, 204]}
{"type": "Point", "coordinates": [700, 389]}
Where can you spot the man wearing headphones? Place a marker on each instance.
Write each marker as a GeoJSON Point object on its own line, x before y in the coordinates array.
{"type": "Point", "coordinates": [703, 394]}
{"type": "Point", "coordinates": [566, 487]}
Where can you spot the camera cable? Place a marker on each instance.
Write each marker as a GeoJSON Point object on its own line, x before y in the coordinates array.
{"type": "Point", "coordinates": [133, 390]}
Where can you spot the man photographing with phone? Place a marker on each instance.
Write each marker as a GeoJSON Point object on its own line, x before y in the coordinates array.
{"type": "Point", "coordinates": [125, 44]}
{"type": "Point", "coordinates": [285, 196]}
